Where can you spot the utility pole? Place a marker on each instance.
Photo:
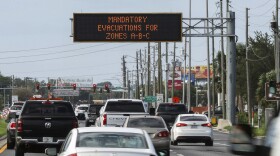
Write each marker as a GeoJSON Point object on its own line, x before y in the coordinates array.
{"type": "Point", "coordinates": [190, 61]}
{"type": "Point", "coordinates": [213, 67]}
{"type": "Point", "coordinates": [141, 66]}
{"type": "Point", "coordinates": [154, 71]}
{"type": "Point", "coordinates": [174, 64]}
{"type": "Point", "coordinates": [277, 50]}
{"type": "Point", "coordinates": [249, 107]}
{"type": "Point", "coordinates": [124, 73]}
{"type": "Point", "coordinates": [208, 64]}
{"type": "Point", "coordinates": [137, 77]}
{"type": "Point", "coordinates": [128, 85]}
{"type": "Point", "coordinates": [149, 69]}
{"type": "Point", "coordinates": [222, 62]}
{"type": "Point", "coordinates": [13, 78]}
{"type": "Point", "coordinates": [167, 69]}
{"type": "Point", "coordinates": [159, 69]}
{"type": "Point", "coordinates": [185, 66]}
{"type": "Point", "coordinates": [231, 68]}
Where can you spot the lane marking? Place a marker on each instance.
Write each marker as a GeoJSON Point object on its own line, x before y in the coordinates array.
{"type": "Point", "coordinates": [3, 148]}
{"type": "Point", "coordinates": [222, 144]}
{"type": "Point", "coordinates": [180, 155]}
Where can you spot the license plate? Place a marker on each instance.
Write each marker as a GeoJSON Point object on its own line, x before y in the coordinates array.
{"type": "Point", "coordinates": [47, 139]}
{"type": "Point", "coordinates": [90, 120]}
{"type": "Point", "coordinates": [193, 126]}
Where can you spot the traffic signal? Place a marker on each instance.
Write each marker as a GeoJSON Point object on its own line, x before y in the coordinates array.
{"type": "Point", "coordinates": [94, 88]}
{"type": "Point", "coordinates": [49, 86]}
{"type": "Point", "coordinates": [107, 88]}
{"type": "Point", "coordinates": [37, 86]}
{"type": "Point", "coordinates": [272, 89]}
{"type": "Point", "coordinates": [74, 86]}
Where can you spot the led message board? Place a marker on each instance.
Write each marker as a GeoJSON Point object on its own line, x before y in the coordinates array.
{"type": "Point", "coordinates": [130, 27]}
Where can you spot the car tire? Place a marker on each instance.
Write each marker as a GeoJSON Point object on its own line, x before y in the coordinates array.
{"type": "Point", "coordinates": [174, 143]}
{"type": "Point", "coordinates": [209, 143]}
{"type": "Point", "coordinates": [10, 144]}
{"type": "Point", "coordinates": [19, 151]}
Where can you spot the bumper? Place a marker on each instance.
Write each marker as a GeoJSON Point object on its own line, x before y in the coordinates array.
{"type": "Point", "coordinates": [33, 145]}
{"type": "Point", "coordinates": [193, 135]}
{"type": "Point", "coordinates": [161, 144]}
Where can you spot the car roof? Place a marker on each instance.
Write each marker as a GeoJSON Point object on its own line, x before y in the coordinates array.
{"type": "Point", "coordinates": [145, 116]}
{"type": "Point", "coordinates": [134, 100]}
{"type": "Point", "coordinates": [193, 115]}
{"type": "Point", "coordinates": [110, 129]}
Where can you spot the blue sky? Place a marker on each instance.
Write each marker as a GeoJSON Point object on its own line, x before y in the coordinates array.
{"type": "Point", "coordinates": [35, 35]}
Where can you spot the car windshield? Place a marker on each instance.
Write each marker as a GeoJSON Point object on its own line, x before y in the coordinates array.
{"type": "Point", "coordinates": [193, 118]}
{"type": "Point", "coordinates": [82, 108]}
{"type": "Point", "coordinates": [34, 108]}
{"type": "Point", "coordinates": [145, 122]}
{"type": "Point", "coordinates": [16, 108]}
{"type": "Point", "coordinates": [172, 108]}
{"type": "Point", "coordinates": [111, 140]}
{"type": "Point", "coordinates": [124, 106]}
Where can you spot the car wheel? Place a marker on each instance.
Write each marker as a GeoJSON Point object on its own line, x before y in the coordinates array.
{"type": "Point", "coordinates": [10, 144]}
{"type": "Point", "coordinates": [19, 151]}
{"type": "Point", "coordinates": [209, 143]}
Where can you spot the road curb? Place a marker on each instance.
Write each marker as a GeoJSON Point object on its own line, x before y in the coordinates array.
{"type": "Point", "coordinates": [3, 141]}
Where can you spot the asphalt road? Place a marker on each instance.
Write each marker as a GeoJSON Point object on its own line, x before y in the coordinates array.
{"type": "Point", "coordinates": [220, 148]}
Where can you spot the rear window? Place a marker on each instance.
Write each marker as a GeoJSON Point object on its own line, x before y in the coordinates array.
{"type": "Point", "coordinates": [172, 108]}
{"type": "Point", "coordinates": [124, 106]}
{"type": "Point", "coordinates": [112, 140]}
{"type": "Point", "coordinates": [193, 118]}
{"type": "Point", "coordinates": [95, 108]}
{"type": "Point", "coordinates": [145, 122]}
{"type": "Point", "coordinates": [35, 108]}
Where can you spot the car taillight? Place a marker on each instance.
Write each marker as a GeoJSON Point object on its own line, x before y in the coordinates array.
{"type": "Point", "coordinates": [13, 125]}
{"type": "Point", "coordinates": [74, 154]}
{"type": "Point", "coordinates": [104, 119]}
{"type": "Point", "coordinates": [207, 125]}
{"type": "Point", "coordinates": [181, 125]}
{"type": "Point", "coordinates": [163, 134]}
{"type": "Point", "coordinates": [75, 124]}
{"type": "Point", "coordinates": [19, 125]}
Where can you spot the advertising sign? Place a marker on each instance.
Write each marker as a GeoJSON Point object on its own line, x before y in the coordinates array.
{"type": "Point", "coordinates": [128, 27]}
{"type": "Point", "coordinates": [177, 84]}
{"type": "Point", "coordinates": [65, 92]}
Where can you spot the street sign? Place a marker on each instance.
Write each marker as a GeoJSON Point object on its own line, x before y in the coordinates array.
{"type": "Point", "coordinates": [259, 112]}
{"type": "Point", "coordinates": [272, 91]}
{"type": "Point", "coordinates": [128, 27]}
{"type": "Point", "coordinates": [65, 92]}
{"type": "Point", "coordinates": [159, 98]}
{"type": "Point", "coordinates": [150, 99]}
{"type": "Point", "coordinates": [176, 99]}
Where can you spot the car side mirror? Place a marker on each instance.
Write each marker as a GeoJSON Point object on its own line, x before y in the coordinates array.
{"type": "Point", "coordinates": [241, 140]}
{"type": "Point", "coordinates": [152, 111]}
{"type": "Point", "coordinates": [51, 151]}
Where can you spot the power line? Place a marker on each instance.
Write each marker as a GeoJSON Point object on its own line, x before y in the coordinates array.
{"type": "Point", "coordinates": [51, 47]}
{"type": "Point", "coordinates": [65, 51]}
{"type": "Point", "coordinates": [262, 5]}
{"type": "Point", "coordinates": [65, 56]}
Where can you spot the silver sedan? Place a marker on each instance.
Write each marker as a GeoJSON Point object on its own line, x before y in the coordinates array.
{"type": "Point", "coordinates": [156, 128]}
{"type": "Point", "coordinates": [193, 128]}
{"type": "Point", "coordinates": [104, 141]}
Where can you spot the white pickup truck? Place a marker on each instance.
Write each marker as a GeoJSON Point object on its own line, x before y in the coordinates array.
{"type": "Point", "coordinates": [115, 111]}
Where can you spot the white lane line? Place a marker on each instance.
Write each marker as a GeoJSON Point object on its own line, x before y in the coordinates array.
{"type": "Point", "coordinates": [180, 155]}
{"type": "Point", "coordinates": [222, 144]}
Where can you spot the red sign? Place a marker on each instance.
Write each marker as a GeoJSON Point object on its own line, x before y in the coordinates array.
{"type": "Point", "coordinates": [177, 84]}
{"type": "Point", "coordinates": [176, 99]}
